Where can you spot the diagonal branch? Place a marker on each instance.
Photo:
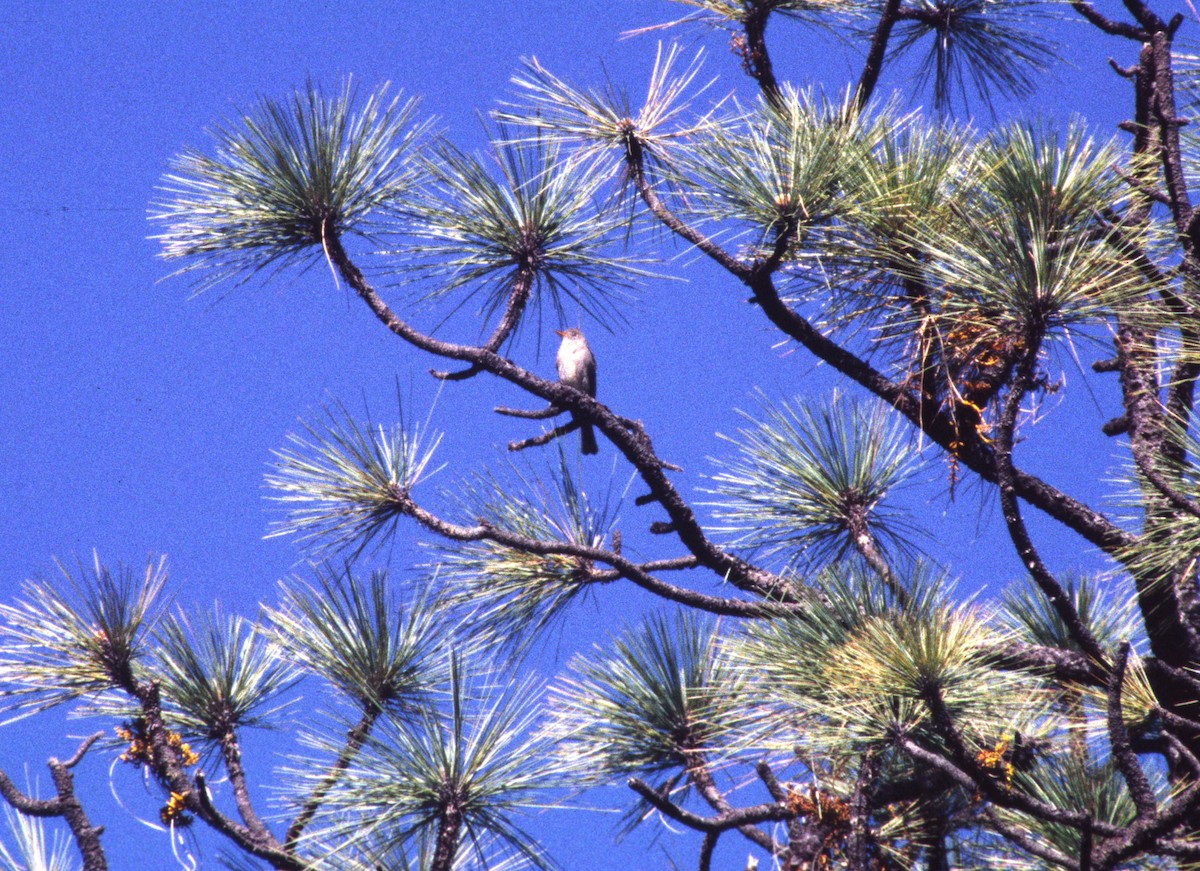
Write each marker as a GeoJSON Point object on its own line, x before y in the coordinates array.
{"type": "Point", "coordinates": [755, 58]}
{"type": "Point", "coordinates": [1093, 526]}
{"type": "Point", "coordinates": [518, 298]}
{"type": "Point", "coordinates": [1075, 515]}
{"type": "Point", "coordinates": [1171, 635]}
{"type": "Point", "coordinates": [1148, 830]}
{"type": "Point", "coordinates": [629, 438]}
{"type": "Point", "coordinates": [635, 165]}
{"type": "Point", "coordinates": [231, 752]}
{"type": "Point", "coordinates": [1145, 16]}
{"type": "Point", "coordinates": [873, 65]}
{"type": "Point", "coordinates": [1108, 25]}
{"type": "Point", "coordinates": [699, 774]}
{"type": "Point", "coordinates": [868, 548]}
{"type": "Point", "coordinates": [966, 771]}
{"type": "Point", "coordinates": [1028, 844]}
{"type": "Point", "coordinates": [355, 739]}
{"type": "Point", "coordinates": [168, 769]}
{"type": "Point", "coordinates": [546, 437]}
{"type": "Point", "coordinates": [1179, 500]}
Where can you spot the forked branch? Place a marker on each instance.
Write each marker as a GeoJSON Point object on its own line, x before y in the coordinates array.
{"type": "Point", "coordinates": [632, 441]}
{"type": "Point", "coordinates": [65, 804]}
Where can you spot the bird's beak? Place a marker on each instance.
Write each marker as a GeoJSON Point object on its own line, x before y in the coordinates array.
{"type": "Point", "coordinates": [562, 333]}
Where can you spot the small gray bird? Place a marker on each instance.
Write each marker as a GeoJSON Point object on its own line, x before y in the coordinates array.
{"type": "Point", "coordinates": [577, 367]}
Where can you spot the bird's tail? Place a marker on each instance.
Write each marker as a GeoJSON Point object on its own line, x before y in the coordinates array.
{"type": "Point", "coordinates": [587, 438]}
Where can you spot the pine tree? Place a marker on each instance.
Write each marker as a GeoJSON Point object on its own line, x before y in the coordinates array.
{"type": "Point", "coordinates": [815, 688]}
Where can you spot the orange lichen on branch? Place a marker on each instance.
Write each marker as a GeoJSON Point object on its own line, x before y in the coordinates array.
{"type": "Point", "coordinates": [833, 816]}
{"type": "Point", "coordinates": [186, 755]}
{"type": "Point", "coordinates": [172, 813]}
{"type": "Point", "coordinates": [821, 805]}
{"type": "Point", "coordinates": [139, 751]}
{"type": "Point", "coordinates": [139, 745]}
{"type": "Point", "coordinates": [979, 360]}
{"type": "Point", "coordinates": [996, 760]}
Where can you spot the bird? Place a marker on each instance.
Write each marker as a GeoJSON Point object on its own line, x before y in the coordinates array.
{"type": "Point", "coordinates": [577, 367]}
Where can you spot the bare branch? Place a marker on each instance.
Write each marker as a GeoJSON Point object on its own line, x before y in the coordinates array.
{"type": "Point", "coordinates": [1179, 500]}
{"type": "Point", "coordinates": [701, 777]}
{"type": "Point", "coordinates": [756, 60]}
{"type": "Point", "coordinates": [65, 804]}
{"type": "Point", "coordinates": [867, 547]}
{"type": "Point", "coordinates": [634, 163]}
{"type": "Point", "coordinates": [539, 414]}
{"type": "Point", "coordinates": [1108, 25]}
{"type": "Point", "coordinates": [87, 836]}
{"type": "Point", "coordinates": [764, 813]}
{"type": "Point", "coordinates": [1127, 761]}
{"type": "Point", "coordinates": [231, 752]}
{"type": "Point", "coordinates": [770, 781]}
{"type": "Point", "coordinates": [518, 297]}
{"type": "Point", "coordinates": [967, 771]}
{"type": "Point", "coordinates": [1062, 665]}
{"type": "Point", "coordinates": [546, 437]}
{"type": "Point", "coordinates": [1011, 508]}
{"type": "Point", "coordinates": [1029, 845]}
{"type": "Point", "coordinates": [873, 65]}
{"type": "Point", "coordinates": [624, 568]}
{"type": "Point", "coordinates": [83, 748]}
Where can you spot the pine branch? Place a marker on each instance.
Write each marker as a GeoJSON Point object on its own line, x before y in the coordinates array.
{"type": "Point", "coordinates": [1011, 508]}
{"type": "Point", "coordinates": [231, 752]}
{"type": "Point", "coordinates": [1109, 25]}
{"type": "Point", "coordinates": [756, 59]}
{"type": "Point", "coordinates": [167, 766]}
{"type": "Point", "coordinates": [867, 547]}
{"type": "Point", "coordinates": [1090, 524]}
{"type": "Point", "coordinates": [517, 299]}
{"type": "Point", "coordinates": [737, 818]}
{"type": "Point", "coordinates": [624, 567]}
{"type": "Point", "coordinates": [1021, 839]}
{"type": "Point", "coordinates": [873, 66]}
{"type": "Point", "coordinates": [355, 739]}
{"type": "Point", "coordinates": [701, 777]}
{"type": "Point", "coordinates": [66, 805]}
{"type": "Point", "coordinates": [633, 442]}
{"type": "Point", "coordinates": [966, 772]}
{"type": "Point", "coordinates": [1118, 737]}
{"type": "Point", "coordinates": [858, 857]}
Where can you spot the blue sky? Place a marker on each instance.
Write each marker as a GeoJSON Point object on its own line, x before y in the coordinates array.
{"type": "Point", "coordinates": [137, 420]}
